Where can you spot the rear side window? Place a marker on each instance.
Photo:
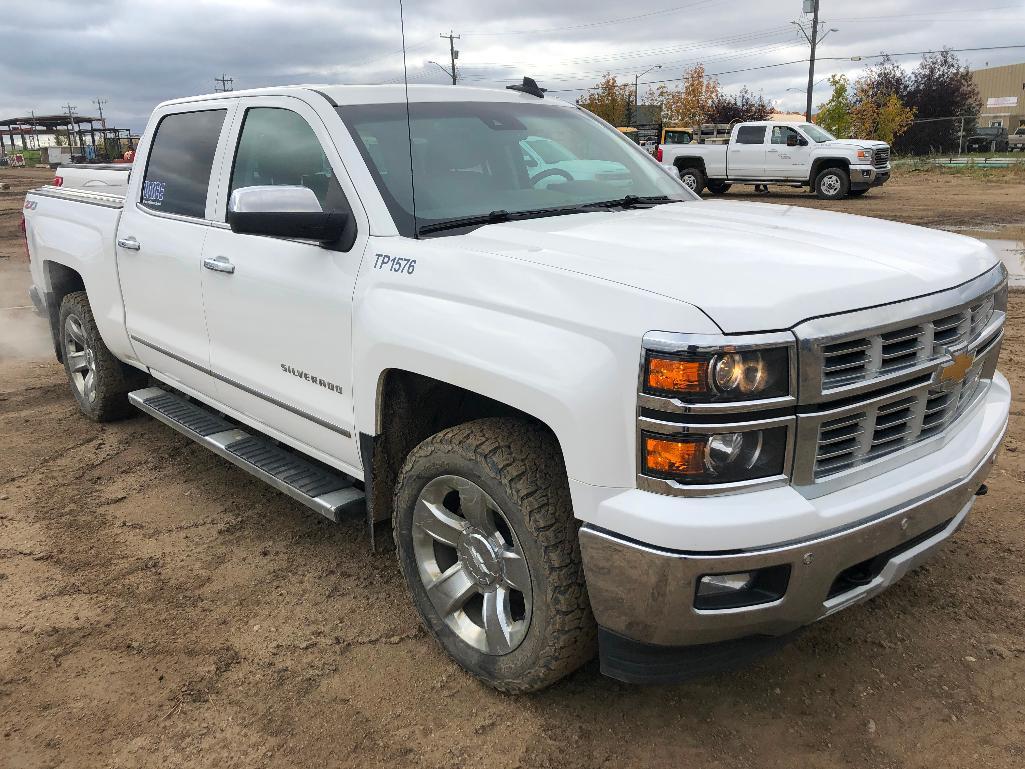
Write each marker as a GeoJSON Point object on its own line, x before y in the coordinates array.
{"type": "Point", "coordinates": [180, 158]}
{"type": "Point", "coordinates": [751, 134]}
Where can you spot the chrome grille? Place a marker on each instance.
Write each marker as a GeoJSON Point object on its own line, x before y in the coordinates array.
{"type": "Point", "coordinates": [863, 358]}
{"type": "Point", "coordinates": [881, 158]}
{"type": "Point", "coordinates": [890, 425]}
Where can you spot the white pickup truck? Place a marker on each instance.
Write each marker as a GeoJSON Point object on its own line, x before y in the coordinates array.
{"type": "Point", "coordinates": [796, 154]}
{"type": "Point", "coordinates": [596, 415]}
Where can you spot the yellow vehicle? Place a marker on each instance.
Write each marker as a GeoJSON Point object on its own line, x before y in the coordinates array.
{"type": "Point", "coordinates": [676, 135]}
{"type": "Point", "coordinates": [630, 133]}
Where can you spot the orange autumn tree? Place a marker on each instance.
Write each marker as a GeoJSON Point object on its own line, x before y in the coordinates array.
{"type": "Point", "coordinates": [610, 100]}
{"type": "Point", "coordinates": [688, 102]}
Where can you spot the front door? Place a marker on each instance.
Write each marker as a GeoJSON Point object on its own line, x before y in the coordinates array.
{"type": "Point", "coordinates": [279, 310]}
{"type": "Point", "coordinates": [160, 240]}
{"type": "Point", "coordinates": [785, 158]}
{"type": "Point", "coordinates": [746, 159]}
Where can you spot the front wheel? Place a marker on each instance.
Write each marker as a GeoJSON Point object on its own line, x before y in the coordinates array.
{"type": "Point", "coordinates": [694, 178]}
{"type": "Point", "coordinates": [99, 381]}
{"type": "Point", "coordinates": [832, 184]}
{"type": "Point", "coordinates": [487, 544]}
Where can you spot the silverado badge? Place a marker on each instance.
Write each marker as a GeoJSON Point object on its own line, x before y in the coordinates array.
{"type": "Point", "coordinates": [955, 370]}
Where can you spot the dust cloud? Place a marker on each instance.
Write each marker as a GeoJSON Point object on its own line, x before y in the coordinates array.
{"type": "Point", "coordinates": [24, 336]}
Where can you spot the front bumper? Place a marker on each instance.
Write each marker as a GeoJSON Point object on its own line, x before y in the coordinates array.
{"type": "Point", "coordinates": [643, 596]}
{"type": "Point", "coordinates": [863, 177]}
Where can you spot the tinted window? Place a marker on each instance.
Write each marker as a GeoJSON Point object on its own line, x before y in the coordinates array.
{"type": "Point", "coordinates": [180, 159]}
{"type": "Point", "coordinates": [277, 147]}
{"type": "Point", "coordinates": [751, 134]}
{"type": "Point", "coordinates": [677, 137]}
{"type": "Point", "coordinates": [780, 134]}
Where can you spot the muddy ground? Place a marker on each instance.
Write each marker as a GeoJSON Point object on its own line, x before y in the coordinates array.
{"type": "Point", "coordinates": [158, 607]}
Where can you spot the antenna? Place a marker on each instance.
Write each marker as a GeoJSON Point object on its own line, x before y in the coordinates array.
{"type": "Point", "coordinates": [409, 125]}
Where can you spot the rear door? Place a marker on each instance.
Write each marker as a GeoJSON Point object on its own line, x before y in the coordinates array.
{"type": "Point", "coordinates": [746, 153]}
{"type": "Point", "coordinates": [166, 220]}
{"type": "Point", "coordinates": [783, 161]}
{"type": "Point", "coordinates": [281, 320]}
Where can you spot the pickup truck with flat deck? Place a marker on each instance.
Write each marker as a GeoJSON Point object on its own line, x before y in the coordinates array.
{"type": "Point", "coordinates": [598, 414]}
{"type": "Point", "coordinates": [794, 154]}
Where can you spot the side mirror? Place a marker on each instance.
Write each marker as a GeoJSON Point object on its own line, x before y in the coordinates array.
{"type": "Point", "coordinates": [284, 212]}
{"type": "Point", "coordinates": [796, 141]}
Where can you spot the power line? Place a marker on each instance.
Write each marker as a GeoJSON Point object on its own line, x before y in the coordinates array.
{"type": "Point", "coordinates": [226, 83]}
{"type": "Point", "coordinates": [588, 25]}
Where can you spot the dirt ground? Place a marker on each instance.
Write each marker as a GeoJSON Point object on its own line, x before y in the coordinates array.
{"type": "Point", "coordinates": [159, 607]}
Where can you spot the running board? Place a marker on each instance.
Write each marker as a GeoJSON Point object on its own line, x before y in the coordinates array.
{"type": "Point", "coordinates": [330, 493]}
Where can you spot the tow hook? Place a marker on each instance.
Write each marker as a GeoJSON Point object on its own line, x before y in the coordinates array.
{"type": "Point", "coordinates": [982, 491]}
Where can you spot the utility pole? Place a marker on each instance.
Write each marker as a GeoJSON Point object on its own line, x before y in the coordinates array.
{"type": "Point", "coordinates": [811, 61]}
{"type": "Point", "coordinates": [226, 83]}
{"type": "Point", "coordinates": [71, 120]}
{"type": "Point", "coordinates": [99, 106]}
{"type": "Point", "coordinates": [453, 53]}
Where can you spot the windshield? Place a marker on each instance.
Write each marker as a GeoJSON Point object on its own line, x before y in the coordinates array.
{"type": "Point", "coordinates": [1020, 131]}
{"type": "Point", "coordinates": [817, 134]}
{"type": "Point", "coordinates": [470, 159]}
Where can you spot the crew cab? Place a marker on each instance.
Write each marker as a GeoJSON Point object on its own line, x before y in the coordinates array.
{"type": "Point", "coordinates": [796, 154]}
{"type": "Point", "coordinates": [595, 417]}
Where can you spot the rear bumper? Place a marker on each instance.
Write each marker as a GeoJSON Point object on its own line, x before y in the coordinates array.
{"type": "Point", "coordinates": [643, 596]}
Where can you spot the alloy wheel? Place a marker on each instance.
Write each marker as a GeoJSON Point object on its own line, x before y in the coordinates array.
{"type": "Point", "coordinates": [81, 359]}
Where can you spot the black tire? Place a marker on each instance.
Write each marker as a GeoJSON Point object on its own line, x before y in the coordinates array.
{"type": "Point", "coordinates": [857, 193]}
{"type": "Point", "coordinates": [832, 184]}
{"type": "Point", "coordinates": [718, 188]}
{"type": "Point", "coordinates": [519, 465]}
{"type": "Point", "coordinates": [105, 399]}
{"type": "Point", "coordinates": [693, 178]}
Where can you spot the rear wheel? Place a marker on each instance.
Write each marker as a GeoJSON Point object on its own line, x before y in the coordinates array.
{"type": "Point", "coordinates": [99, 381]}
{"type": "Point", "coordinates": [832, 184]}
{"type": "Point", "coordinates": [718, 188]}
{"type": "Point", "coordinates": [694, 178]}
{"type": "Point", "coordinates": [487, 543]}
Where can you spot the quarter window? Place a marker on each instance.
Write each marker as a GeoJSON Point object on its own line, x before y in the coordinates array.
{"type": "Point", "coordinates": [177, 174]}
{"type": "Point", "coordinates": [278, 147]}
{"type": "Point", "coordinates": [751, 134]}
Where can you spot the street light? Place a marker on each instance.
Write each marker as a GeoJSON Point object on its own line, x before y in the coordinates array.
{"type": "Point", "coordinates": [443, 70]}
{"type": "Point", "coordinates": [637, 80]}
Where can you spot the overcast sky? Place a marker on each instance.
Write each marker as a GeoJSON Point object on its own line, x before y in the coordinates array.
{"type": "Point", "coordinates": [136, 53]}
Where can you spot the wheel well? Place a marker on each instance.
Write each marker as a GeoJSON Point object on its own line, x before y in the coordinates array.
{"type": "Point", "coordinates": [411, 408]}
{"type": "Point", "coordinates": [62, 281]}
{"type": "Point", "coordinates": [690, 162]}
{"type": "Point", "coordinates": [821, 165]}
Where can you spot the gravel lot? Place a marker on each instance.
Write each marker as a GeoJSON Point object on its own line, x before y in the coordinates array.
{"type": "Point", "coordinates": [158, 607]}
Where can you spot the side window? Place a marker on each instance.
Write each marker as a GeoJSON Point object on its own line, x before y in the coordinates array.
{"type": "Point", "coordinates": [278, 147]}
{"type": "Point", "coordinates": [781, 133]}
{"type": "Point", "coordinates": [751, 134]}
{"type": "Point", "coordinates": [180, 158]}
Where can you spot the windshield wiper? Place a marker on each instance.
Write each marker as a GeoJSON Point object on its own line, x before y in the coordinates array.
{"type": "Point", "coordinates": [631, 201]}
{"type": "Point", "coordinates": [464, 221]}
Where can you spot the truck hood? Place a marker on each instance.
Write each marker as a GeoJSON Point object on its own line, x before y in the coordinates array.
{"type": "Point", "coordinates": [748, 266]}
{"type": "Point", "coordinates": [854, 144]}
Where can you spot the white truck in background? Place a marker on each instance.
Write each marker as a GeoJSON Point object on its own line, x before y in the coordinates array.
{"type": "Point", "coordinates": [597, 413]}
{"type": "Point", "coordinates": [99, 177]}
{"type": "Point", "coordinates": [796, 154]}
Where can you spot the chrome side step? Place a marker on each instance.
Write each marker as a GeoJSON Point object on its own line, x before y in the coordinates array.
{"type": "Point", "coordinates": [330, 493]}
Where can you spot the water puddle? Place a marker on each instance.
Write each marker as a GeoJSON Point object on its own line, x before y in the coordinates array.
{"type": "Point", "coordinates": [1010, 250]}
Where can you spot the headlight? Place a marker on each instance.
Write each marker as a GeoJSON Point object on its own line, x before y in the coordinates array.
{"type": "Point", "coordinates": [865, 155]}
{"type": "Point", "coordinates": [719, 376]}
{"type": "Point", "coordinates": [727, 457]}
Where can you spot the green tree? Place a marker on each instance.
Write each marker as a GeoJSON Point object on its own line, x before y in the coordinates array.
{"type": "Point", "coordinates": [835, 114]}
{"type": "Point", "coordinates": [742, 106]}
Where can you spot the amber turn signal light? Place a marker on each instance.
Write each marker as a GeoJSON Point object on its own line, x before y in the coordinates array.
{"type": "Point", "coordinates": [675, 375]}
{"type": "Point", "coordinates": [676, 457]}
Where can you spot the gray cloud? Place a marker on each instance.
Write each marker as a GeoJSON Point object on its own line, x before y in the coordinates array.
{"type": "Point", "coordinates": [136, 53]}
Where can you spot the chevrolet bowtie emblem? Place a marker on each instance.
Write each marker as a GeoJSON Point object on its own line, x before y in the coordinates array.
{"type": "Point", "coordinates": [955, 370]}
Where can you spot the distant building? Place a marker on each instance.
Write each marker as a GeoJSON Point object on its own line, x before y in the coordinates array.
{"type": "Point", "coordinates": [1003, 96]}
{"type": "Point", "coordinates": [787, 117]}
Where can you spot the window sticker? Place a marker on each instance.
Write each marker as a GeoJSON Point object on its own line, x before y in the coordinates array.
{"type": "Point", "coordinates": [153, 192]}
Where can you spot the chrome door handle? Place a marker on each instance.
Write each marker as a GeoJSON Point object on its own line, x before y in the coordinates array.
{"type": "Point", "coordinates": [772, 150]}
{"type": "Point", "coordinates": [129, 244]}
{"type": "Point", "coordinates": [219, 264]}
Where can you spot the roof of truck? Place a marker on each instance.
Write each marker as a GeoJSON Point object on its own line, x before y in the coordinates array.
{"type": "Point", "coordinates": [379, 94]}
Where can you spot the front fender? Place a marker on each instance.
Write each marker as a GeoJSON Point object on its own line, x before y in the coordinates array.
{"type": "Point", "coordinates": [560, 346]}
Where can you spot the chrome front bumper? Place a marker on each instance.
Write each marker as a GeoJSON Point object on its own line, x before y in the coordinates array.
{"type": "Point", "coordinates": [869, 176]}
{"type": "Point", "coordinates": [647, 595]}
